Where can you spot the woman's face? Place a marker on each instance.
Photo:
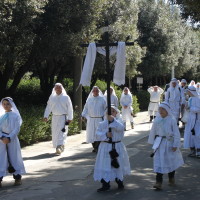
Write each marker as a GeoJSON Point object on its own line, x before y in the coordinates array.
{"type": "Point", "coordinates": [95, 92]}
{"type": "Point", "coordinates": [6, 105]}
{"type": "Point", "coordinates": [125, 91]}
{"type": "Point", "coordinates": [58, 89]}
{"type": "Point", "coordinates": [113, 112]}
{"type": "Point", "coordinates": [163, 112]}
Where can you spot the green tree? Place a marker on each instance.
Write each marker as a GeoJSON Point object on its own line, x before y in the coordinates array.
{"type": "Point", "coordinates": [16, 41]}
{"type": "Point", "coordinates": [189, 9]}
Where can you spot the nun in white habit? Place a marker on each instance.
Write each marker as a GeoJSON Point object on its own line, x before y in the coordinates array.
{"type": "Point", "coordinates": [10, 122]}
{"type": "Point", "coordinates": [192, 128]}
{"type": "Point", "coordinates": [127, 109]}
{"type": "Point", "coordinates": [113, 97]}
{"type": "Point", "coordinates": [93, 112]}
{"type": "Point", "coordinates": [60, 105]}
{"type": "Point", "coordinates": [104, 171]}
{"type": "Point", "coordinates": [175, 97]}
{"type": "Point", "coordinates": [165, 137]}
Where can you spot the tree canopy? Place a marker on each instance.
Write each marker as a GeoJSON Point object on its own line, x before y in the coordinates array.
{"type": "Point", "coordinates": [44, 37]}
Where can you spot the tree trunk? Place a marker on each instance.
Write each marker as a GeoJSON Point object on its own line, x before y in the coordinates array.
{"type": "Point", "coordinates": [77, 89]}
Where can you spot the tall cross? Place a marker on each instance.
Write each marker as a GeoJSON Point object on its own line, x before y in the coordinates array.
{"type": "Point", "coordinates": [107, 46]}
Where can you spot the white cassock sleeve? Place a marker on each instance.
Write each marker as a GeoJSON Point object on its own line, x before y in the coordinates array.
{"type": "Point", "coordinates": [16, 128]}
{"type": "Point", "coordinates": [160, 90]}
{"type": "Point", "coordinates": [101, 131]}
{"type": "Point", "coordinates": [176, 133]}
{"type": "Point", "coordinates": [48, 109]}
{"type": "Point", "coordinates": [69, 109]}
{"type": "Point", "coordinates": [152, 134]}
{"type": "Point", "coordinates": [167, 96]}
{"type": "Point", "coordinates": [85, 111]}
{"type": "Point", "coordinates": [150, 90]}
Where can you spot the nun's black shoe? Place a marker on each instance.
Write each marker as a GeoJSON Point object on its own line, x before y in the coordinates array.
{"type": "Point", "coordinates": [120, 184]}
{"type": "Point", "coordinates": [103, 189]}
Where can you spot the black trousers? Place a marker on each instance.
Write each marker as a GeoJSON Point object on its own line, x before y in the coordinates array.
{"type": "Point", "coordinates": [159, 176]}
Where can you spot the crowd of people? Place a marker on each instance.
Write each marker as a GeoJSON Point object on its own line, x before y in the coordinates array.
{"type": "Point", "coordinates": [181, 102]}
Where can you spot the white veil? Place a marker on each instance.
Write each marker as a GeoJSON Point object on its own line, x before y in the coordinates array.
{"type": "Point", "coordinates": [192, 89]}
{"type": "Point", "coordinates": [122, 95]}
{"type": "Point", "coordinates": [113, 92]}
{"type": "Point", "coordinates": [14, 108]}
{"type": "Point", "coordinates": [166, 106]}
{"type": "Point", "coordinates": [91, 94]}
{"type": "Point", "coordinates": [63, 90]}
{"type": "Point", "coordinates": [192, 83]}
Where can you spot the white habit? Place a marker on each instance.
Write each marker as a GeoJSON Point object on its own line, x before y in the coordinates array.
{"type": "Point", "coordinates": [94, 112]}
{"type": "Point", "coordinates": [103, 168]}
{"type": "Point", "coordinates": [174, 96]}
{"type": "Point", "coordinates": [113, 98]}
{"type": "Point", "coordinates": [62, 110]}
{"type": "Point", "coordinates": [126, 100]}
{"type": "Point", "coordinates": [190, 140]}
{"type": "Point", "coordinates": [165, 160]}
{"type": "Point", "coordinates": [11, 126]}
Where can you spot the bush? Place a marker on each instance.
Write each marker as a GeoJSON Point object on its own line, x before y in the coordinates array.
{"type": "Point", "coordinates": [143, 99]}
{"type": "Point", "coordinates": [33, 129]}
{"type": "Point", "coordinates": [136, 108]}
{"type": "Point", "coordinates": [74, 125]}
{"type": "Point", "coordinates": [29, 92]}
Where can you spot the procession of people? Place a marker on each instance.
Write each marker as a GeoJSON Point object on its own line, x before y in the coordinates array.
{"type": "Point", "coordinates": [105, 131]}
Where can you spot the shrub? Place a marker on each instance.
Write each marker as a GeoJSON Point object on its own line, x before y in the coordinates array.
{"type": "Point", "coordinates": [143, 99]}
{"type": "Point", "coordinates": [136, 108]}
{"type": "Point", "coordinates": [29, 92]}
{"type": "Point", "coordinates": [74, 125]}
{"type": "Point", "coordinates": [33, 129]}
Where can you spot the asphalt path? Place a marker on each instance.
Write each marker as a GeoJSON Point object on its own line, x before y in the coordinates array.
{"type": "Point", "coordinates": [70, 176]}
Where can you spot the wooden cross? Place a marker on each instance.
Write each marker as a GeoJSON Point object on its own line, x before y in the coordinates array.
{"type": "Point", "coordinates": [107, 44]}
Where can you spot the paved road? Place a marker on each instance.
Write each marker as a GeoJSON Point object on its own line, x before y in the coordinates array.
{"type": "Point", "coordinates": [69, 177]}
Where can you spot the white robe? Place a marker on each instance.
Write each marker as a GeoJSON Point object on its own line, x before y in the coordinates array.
{"type": "Point", "coordinates": [113, 100]}
{"type": "Point", "coordinates": [193, 122]}
{"type": "Point", "coordinates": [154, 100]}
{"type": "Point", "coordinates": [126, 100]}
{"type": "Point", "coordinates": [93, 111]}
{"type": "Point", "coordinates": [165, 160]}
{"type": "Point", "coordinates": [12, 127]}
{"type": "Point", "coordinates": [175, 98]}
{"type": "Point", "coordinates": [103, 168]}
{"type": "Point", "coordinates": [62, 110]}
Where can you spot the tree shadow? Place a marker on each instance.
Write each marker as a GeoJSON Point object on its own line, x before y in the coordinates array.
{"type": "Point", "coordinates": [41, 156]}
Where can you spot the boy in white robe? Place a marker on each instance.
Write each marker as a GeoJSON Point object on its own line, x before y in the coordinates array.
{"type": "Point", "coordinates": [155, 94]}
{"type": "Point", "coordinates": [113, 97]}
{"type": "Point", "coordinates": [60, 105]}
{"type": "Point", "coordinates": [10, 150]}
{"type": "Point", "coordinates": [126, 101]}
{"type": "Point", "coordinates": [175, 97]}
{"type": "Point", "coordinates": [93, 112]}
{"type": "Point", "coordinates": [165, 136]}
{"type": "Point", "coordinates": [192, 128]}
{"type": "Point", "coordinates": [104, 171]}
